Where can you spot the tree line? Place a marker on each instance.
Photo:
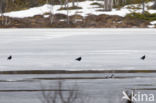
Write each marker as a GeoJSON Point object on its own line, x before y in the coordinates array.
{"type": "Point", "coordinates": [6, 5]}
{"type": "Point", "coordinates": [24, 4]}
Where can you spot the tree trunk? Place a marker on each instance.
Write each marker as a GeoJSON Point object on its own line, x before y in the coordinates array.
{"type": "Point", "coordinates": [107, 5]}
{"type": "Point", "coordinates": [52, 15]}
{"type": "Point", "coordinates": [154, 5]}
{"type": "Point", "coordinates": [2, 10]}
{"type": "Point", "coordinates": [67, 11]}
{"type": "Point", "coordinates": [143, 6]}
{"type": "Point", "coordinates": [73, 3]}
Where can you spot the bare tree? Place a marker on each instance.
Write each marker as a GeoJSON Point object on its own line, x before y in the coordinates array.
{"type": "Point", "coordinates": [72, 95]}
{"type": "Point", "coordinates": [52, 14]}
{"type": "Point", "coordinates": [63, 96]}
{"type": "Point", "coordinates": [2, 9]}
{"type": "Point", "coordinates": [4, 4]}
{"type": "Point", "coordinates": [67, 6]}
{"type": "Point", "coordinates": [73, 3]}
{"type": "Point", "coordinates": [48, 97]}
{"type": "Point", "coordinates": [154, 5]}
{"type": "Point", "coordinates": [108, 5]}
{"type": "Point", "coordinates": [143, 6]}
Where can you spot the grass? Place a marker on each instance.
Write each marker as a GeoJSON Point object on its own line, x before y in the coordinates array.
{"type": "Point", "coordinates": [146, 16]}
{"type": "Point", "coordinates": [70, 8]}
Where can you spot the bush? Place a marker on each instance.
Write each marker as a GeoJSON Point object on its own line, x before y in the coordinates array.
{"type": "Point", "coordinates": [128, 2]}
{"type": "Point", "coordinates": [146, 16]}
{"type": "Point", "coordinates": [70, 8]}
{"type": "Point", "coordinates": [23, 4]}
{"type": "Point", "coordinates": [98, 4]}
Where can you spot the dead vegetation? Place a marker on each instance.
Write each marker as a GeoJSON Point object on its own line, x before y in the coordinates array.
{"type": "Point", "coordinates": [75, 21]}
{"type": "Point", "coordinates": [61, 95]}
{"type": "Point", "coordinates": [70, 8]}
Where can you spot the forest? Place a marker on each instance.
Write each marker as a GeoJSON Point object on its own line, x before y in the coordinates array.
{"type": "Point", "coordinates": [11, 5]}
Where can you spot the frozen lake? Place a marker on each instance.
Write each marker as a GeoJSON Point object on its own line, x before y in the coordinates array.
{"type": "Point", "coordinates": [101, 49]}
{"type": "Point", "coordinates": [92, 87]}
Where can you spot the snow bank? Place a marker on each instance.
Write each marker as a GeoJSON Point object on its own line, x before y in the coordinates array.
{"type": "Point", "coordinates": [86, 6]}
{"type": "Point", "coordinates": [30, 12]}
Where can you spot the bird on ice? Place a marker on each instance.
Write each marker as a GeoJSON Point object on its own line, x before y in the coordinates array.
{"type": "Point", "coordinates": [10, 57]}
{"type": "Point", "coordinates": [143, 57]}
{"type": "Point", "coordinates": [79, 59]}
{"type": "Point", "coordinates": [112, 76]}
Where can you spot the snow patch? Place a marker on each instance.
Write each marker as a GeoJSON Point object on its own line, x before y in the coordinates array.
{"type": "Point", "coordinates": [30, 12]}
{"type": "Point", "coordinates": [153, 22]}
{"type": "Point", "coordinates": [151, 26]}
{"type": "Point", "coordinates": [46, 16]}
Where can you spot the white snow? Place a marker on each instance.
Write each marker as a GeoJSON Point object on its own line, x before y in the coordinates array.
{"type": "Point", "coordinates": [86, 6]}
{"type": "Point", "coordinates": [101, 49]}
{"type": "Point", "coordinates": [46, 16]}
{"type": "Point", "coordinates": [152, 24]}
{"type": "Point", "coordinates": [62, 20]}
{"type": "Point", "coordinates": [30, 12]}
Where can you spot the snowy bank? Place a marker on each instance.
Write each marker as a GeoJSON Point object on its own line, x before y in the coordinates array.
{"type": "Point", "coordinates": [86, 6]}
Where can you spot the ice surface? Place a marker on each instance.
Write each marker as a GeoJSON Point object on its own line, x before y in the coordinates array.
{"type": "Point", "coordinates": [93, 90]}
{"type": "Point", "coordinates": [100, 49]}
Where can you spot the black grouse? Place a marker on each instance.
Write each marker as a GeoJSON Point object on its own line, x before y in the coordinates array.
{"type": "Point", "coordinates": [143, 57]}
{"type": "Point", "coordinates": [79, 59]}
{"type": "Point", "coordinates": [10, 57]}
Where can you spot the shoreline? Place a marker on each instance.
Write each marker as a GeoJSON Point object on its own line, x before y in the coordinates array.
{"type": "Point", "coordinates": [74, 72]}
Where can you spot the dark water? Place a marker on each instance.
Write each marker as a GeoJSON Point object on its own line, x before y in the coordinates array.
{"type": "Point", "coordinates": [93, 87]}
